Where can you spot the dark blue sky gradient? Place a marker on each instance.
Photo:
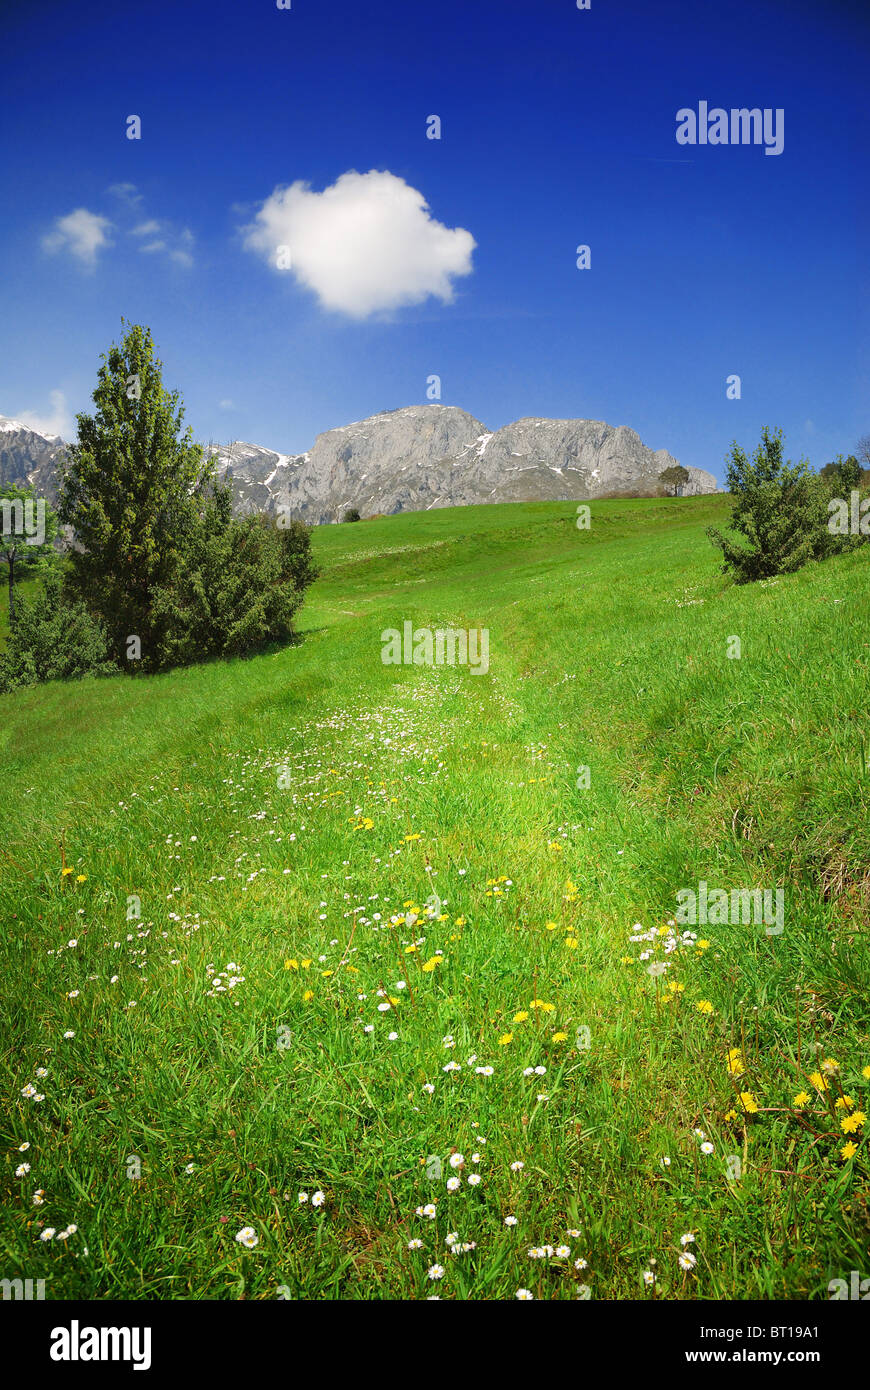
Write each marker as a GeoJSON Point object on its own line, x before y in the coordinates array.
{"type": "Point", "coordinates": [558, 129]}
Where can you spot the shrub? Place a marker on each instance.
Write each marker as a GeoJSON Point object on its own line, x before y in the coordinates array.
{"type": "Point", "coordinates": [52, 639]}
{"type": "Point", "coordinates": [780, 510]}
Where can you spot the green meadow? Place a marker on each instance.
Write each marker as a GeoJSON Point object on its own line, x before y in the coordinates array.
{"type": "Point", "coordinates": [330, 979]}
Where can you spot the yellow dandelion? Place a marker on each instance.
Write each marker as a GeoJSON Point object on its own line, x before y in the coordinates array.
{"type": "Point", "coordinates": [520, 1017]}
{"type": "Point", "coordinates": [703, 944]}
{"type": "Point", "coordinates": [408, 838]}
{"type": "Point", "coordinates": [749, 1103]}
{"type": "Point", "coordinates": [844, 1103]}
{"type": "Point", "coordinates": [731, 1115]}
{"type": "Point", "coordinates": [505, 1039]}
{"type": "Point", "coordinates": [735, 1061]}
{"type": "Point", "coordinates": [852, 1123]}
{"type": "Point", "coordinates": [848, 1150]}
{"type": "Point", "coordinates": [572, 943]}
{"type": "Point", "coordinates": [560, 1037]}
{"type": "Point", "coordinates": [64, 872]}
{"type": "Point", "coordinates": [551, 926]}
{"type": "Point", "coordinates": [802, 1098]}
{"type": "Point", "coordinates": [704, 1006]}
{"type": "Point", "coordinates": [429, 965]}
{"type": "Point", "coordinates": [865, 1072]}
{"type": "Point", "coordinates": [80, 878]}
{"type": "Point", "coordinates": [291, 965]}
{"type": "Point", "coordinates": [309, 994]}
{"type": "Point", "coordinates": [817, 1080]}
{"type": "Point", "coordinates": [409, 950]}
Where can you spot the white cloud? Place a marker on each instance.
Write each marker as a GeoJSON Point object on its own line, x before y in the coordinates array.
{"type": "Point", "coordinates": [226, 405]}
{"type": "Point", "coordinates": [364, 245]}
{"type": "Point", "coordinates": [127, 193]}
{"type": "Point", "coordinates": [59, 421]}
{"type": "Point", "coordinates": [175, 244]}
{"type": "Point", "coordinates": [82, 233]}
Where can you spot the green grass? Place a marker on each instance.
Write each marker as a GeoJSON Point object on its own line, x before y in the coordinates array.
{"type": "Point", "coordinates": [608, 648]}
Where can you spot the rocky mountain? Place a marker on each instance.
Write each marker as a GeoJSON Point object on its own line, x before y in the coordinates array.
{"type": "Point", "coordinates": [411, 459]}
{"type": "Point", "coordinates": [28, 458]}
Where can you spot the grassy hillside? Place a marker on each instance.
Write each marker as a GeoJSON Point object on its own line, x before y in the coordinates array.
{"type": "Point", "coordinates": [277, 819]}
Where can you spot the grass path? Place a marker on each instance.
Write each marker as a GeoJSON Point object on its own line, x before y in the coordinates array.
{"type": "Point", "coordinates": [278, 821]}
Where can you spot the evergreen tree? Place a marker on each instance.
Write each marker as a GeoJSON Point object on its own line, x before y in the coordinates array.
{"type": "Point", "coordinates": [779, 510]}
{"type": "Point", "coordinates": [128, 490]}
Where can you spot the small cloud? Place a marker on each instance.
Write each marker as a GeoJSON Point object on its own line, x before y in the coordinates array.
{"type": "Point", "coordinates": [174, 244]}
{"type": "Point", "coordinates": [226, 405]}
{"type": "Point", "coordinates": [364, 245]}
{"type": "Point", "coordinates": [809, 426]}
{"type": "Point", "coordinates": [82, 233]}
{"type": "Point", "coordinates": [58, 422]}
{"type": "Point", "coordinates": [126, 193]}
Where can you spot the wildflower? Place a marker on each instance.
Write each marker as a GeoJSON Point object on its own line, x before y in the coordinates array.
{"type": "Point", "coordinates": [522, 1016]}
{"type": "Point", "coordinates": [829, 1066]}
{"type": "Point", "coordinates": [580, 1264]}
{"type": "Point", "coordinates": [510, 1221]}
{"type": "Point", "coordinates": [574, 1234]}
{"type": "Point", "coordinates": [69, 1033]}
{"type": "Point", "coordinates": [48, 1233]}
{"type": "Point", "coordinates": [505, 1039]}
{"type": "Point", "coordinates": [308, 996]}
{"type": "Point", "coordinates": [457, 1161]}
{"type": "Point", "coordinates": [429, 1211]}
{"type": "Point", "coordinates": [850, 1125]}
{"type": "Point", "coordinates": [73, 994]}
{"type": "Point", "coordinates": [657, 968]}
{"type": "Point", "coordinates": [687, 1260]}
{"type": "Point", "coordinates": [485, 1071]}
{"type": "Point", "coordinates": [524, 1296]}
{"type": "Point", "coordinates": [453, 1184]}
{"type": "Point", "coordinates": [415, 1244]}
{"type": "Point", "coordinates": [474, 1179]}
{"type": "Point", "coordinates": [318, 1199]}
{"type": "Point", "coordinates": [649, 1278]}
{"type": "Point", "coordinates": [435, 1272]}
{"type": "Point", "coordinates": [80, 878]}
{"type": "Point", "coordinates": [560, 1037]}
{"type": "Point", "coordinates": [704, 1006]}
{"type": "Point", "coordinates": [22, 1148]}
{"type": "Point", "coordinates": [39, 1197]}
{"type": "Point", "coordinates": [22, 1170]}
{"type": "Point", "coordinates": [517, 1166]}
{"type": "Point", "coordinates": [802, 1098]}
{"type": "Point", "coordinates": [665, 1162]}
{"type": "Point", "coordinates": [731, 1115]}
{"type": "Point", "coordinates": [707, 1148]}
{"type": "Point", "coordinates": [749, 1103]}
{"type": "Point", "coordinates": [302, 1198]}
{"type": "Point", "coordinates": [687, 1239]}
{"type": "Point", "coordinates": [865, 1072]}
{"type": "Point", "coordinates": [848, 1150]}
{"type": "Point", "coordinates": [841, 1103]}
{"type": "Point", "coordinates": [428, 1088]}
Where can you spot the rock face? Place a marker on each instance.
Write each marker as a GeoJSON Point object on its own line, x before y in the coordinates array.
{"type": "Point", "coordinates": [29, 459]}
{"type": "Point", "coordinates": [412, 459]}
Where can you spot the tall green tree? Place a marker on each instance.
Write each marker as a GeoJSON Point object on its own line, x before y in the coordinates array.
{"type": "Point", "coordinates": [129, 489]}
{"type": "Point", "coordinates": [28, 525]}
{"type": "Point", "coordinates": [779, 511]}
{"type": "Point", "coordinates": [674, 477]}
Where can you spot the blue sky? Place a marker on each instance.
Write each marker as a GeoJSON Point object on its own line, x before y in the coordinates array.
{"type": "Point", "coordinates": [558, 129]}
